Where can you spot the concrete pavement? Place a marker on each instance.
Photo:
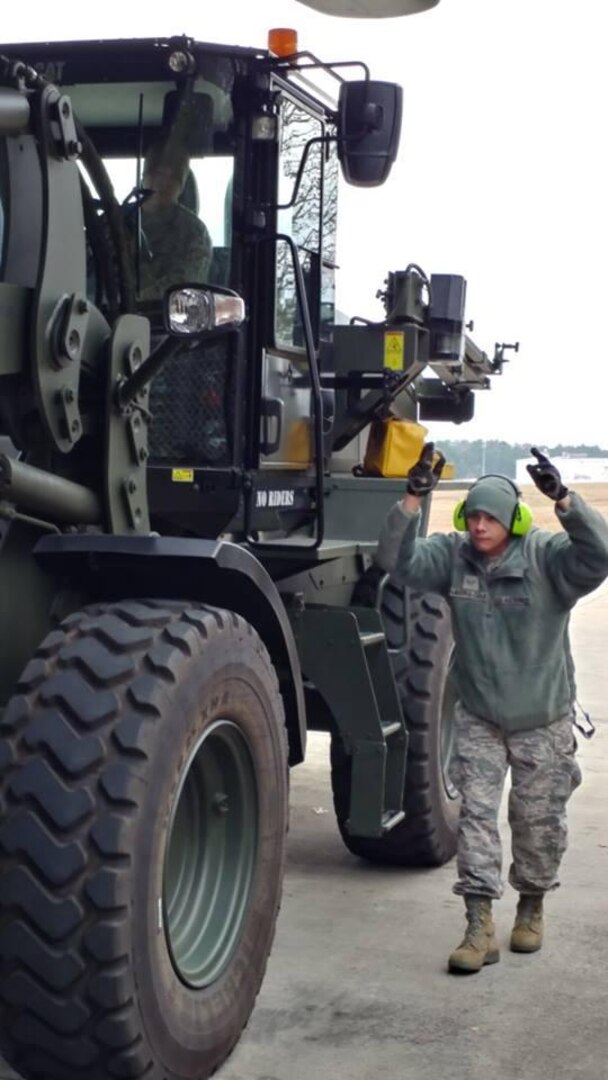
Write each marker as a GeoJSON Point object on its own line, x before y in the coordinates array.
{"type": "Point", "coordinates": [356, 987]}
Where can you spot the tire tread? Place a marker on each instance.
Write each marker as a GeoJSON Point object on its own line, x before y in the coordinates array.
{"type": "Point", "coordinates": [74, 743]}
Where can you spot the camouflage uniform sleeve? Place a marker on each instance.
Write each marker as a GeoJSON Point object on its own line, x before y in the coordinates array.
{"type": "Point", "coordinates": [576, 560]}
{"type": "Point", "coordinates": [423, 562]}
{"type": "Point", "coordinates": [199, 252]}
{"type": "Point", "coordinates": [189, 258]}
{"type": "Point", "coordinates": [195, 249]}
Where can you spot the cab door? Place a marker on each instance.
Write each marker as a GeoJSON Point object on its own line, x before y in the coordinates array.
{"type": "Point", "coordinates": [306, 226]}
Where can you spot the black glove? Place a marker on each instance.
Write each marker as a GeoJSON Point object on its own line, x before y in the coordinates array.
{"type": "Point", "coordinates": [424, 476]}
{"type": "Point", "coordinates": [546, 477]}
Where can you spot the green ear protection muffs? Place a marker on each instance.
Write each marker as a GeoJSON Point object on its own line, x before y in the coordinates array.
{"type": "Point", "coordinates": [522, 519]}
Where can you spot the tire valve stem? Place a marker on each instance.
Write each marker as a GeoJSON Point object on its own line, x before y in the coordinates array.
{"type": "Point", "coordinates": [219, 802]}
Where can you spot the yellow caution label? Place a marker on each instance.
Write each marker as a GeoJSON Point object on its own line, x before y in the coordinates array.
{"type": "Point", "coordinates": [394, 350]}
{"type": "Point", "coordinates": [182, 476]}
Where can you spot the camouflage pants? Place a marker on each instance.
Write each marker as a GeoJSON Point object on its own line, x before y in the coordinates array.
{"type": "Point", "coordinates": [544, 773]}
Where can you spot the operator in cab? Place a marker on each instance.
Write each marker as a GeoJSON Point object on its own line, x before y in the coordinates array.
{"type": "Point", "coordinates": [510, 588]}
{"type": "Point", "coordinates": [175, 246]}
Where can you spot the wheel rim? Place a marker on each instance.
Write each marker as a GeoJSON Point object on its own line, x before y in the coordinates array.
{"type": "Point", "coordinates": [211, 854]}
{"type": "Point", "coordinates": [447, 731]}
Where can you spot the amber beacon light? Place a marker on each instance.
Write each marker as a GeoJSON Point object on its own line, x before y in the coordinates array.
{"type": "Point", "coordinates": [282, 41]}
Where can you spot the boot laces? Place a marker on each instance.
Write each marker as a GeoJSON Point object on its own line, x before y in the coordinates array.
{"type": "Point", "coordinates": [478, 921]}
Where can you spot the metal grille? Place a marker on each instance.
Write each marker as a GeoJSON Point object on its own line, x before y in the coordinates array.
{"type": "Point", "coordinates": [190, 401]}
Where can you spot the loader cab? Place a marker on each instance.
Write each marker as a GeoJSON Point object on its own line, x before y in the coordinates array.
{"type": "Point", "coordinates": [259, 197]}
{"type": "Point", "coordinates": [239, 437]}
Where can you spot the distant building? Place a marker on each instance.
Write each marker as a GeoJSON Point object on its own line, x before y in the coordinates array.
{"type": "Point", "coordinates": [574, 470]}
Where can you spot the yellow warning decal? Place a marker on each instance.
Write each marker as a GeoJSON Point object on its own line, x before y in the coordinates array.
{"type": "Point", "coordinates": [182, 476]}
{"type": "Point", "coordinates": [394, 350]}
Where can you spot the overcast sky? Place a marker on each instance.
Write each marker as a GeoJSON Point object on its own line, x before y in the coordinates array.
{"type": "Point", "coordinates": [501, 176]}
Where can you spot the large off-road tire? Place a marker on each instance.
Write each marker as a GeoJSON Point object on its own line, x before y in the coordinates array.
{"type": "Point", "coordinates": [143, 818]}
{"type": "Point", "coordinates": [427, 836]}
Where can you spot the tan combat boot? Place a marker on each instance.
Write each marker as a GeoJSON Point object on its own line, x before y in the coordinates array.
{"type": "Point", "coordinates": [527, 933]}
{"type": "Point", "coordinates": [479, 945]}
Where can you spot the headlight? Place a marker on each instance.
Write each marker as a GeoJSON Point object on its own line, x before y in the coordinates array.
{"type": "Point", "coordinates": [191, 311]}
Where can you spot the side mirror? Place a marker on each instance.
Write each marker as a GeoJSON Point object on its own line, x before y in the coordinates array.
{"type": "Point", "coordinates": [369, 129]}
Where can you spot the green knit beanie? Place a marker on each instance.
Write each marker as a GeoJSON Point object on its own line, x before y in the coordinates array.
{"type": "Point", "coordinates": [493, 495]}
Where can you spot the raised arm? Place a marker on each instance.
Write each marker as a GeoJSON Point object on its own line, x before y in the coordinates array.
{"type": "Point", "coordinates": [577, 561]}
{"type": "Point", "coordinates": [424, 562]}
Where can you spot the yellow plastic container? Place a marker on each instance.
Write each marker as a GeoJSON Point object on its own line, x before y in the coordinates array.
{"type": "Point", "coordinates": [449, 469]}
{"type": "Point", "coordinates": [298, 443]}
{"type": "Point", "coordinates": [393, 447]}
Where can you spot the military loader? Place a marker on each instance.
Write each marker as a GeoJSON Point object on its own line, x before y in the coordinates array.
{"type": "Point", "coordinates": [190, 501]}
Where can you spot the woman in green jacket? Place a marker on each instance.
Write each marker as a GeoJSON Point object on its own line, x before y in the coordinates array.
{"type": "Point", "coordinates": [510, 588]}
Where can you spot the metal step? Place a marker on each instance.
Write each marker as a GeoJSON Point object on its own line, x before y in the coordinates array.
{"type": "Point", "coordinates": [389, 820]}
{"type": "Point", "coordinates": [344, 656]}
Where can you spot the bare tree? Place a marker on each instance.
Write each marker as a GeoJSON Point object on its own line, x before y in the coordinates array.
{"type": "Point", "coordinates": [311, 221]}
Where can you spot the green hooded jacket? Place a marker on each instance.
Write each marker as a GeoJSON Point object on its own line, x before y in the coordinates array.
{"type": "Point", "coordinates": [512, 661]}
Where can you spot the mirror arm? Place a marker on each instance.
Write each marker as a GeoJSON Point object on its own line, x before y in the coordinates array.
{"type": "Point", "coordinates": [329, 67]}
{"type": "Point", "coordinates": [127, 389]}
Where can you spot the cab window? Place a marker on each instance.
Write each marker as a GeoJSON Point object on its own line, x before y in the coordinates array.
{"type": "Point", "coordinates": [301, 222]}
{"type": "Point", "coordinates": [182, 231]}
{"type": "Point", "coordinates": [168, 151]}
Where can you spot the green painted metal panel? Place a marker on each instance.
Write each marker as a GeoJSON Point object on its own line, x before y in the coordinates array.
{"type": "Point", "coordinates": [343, 652]}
